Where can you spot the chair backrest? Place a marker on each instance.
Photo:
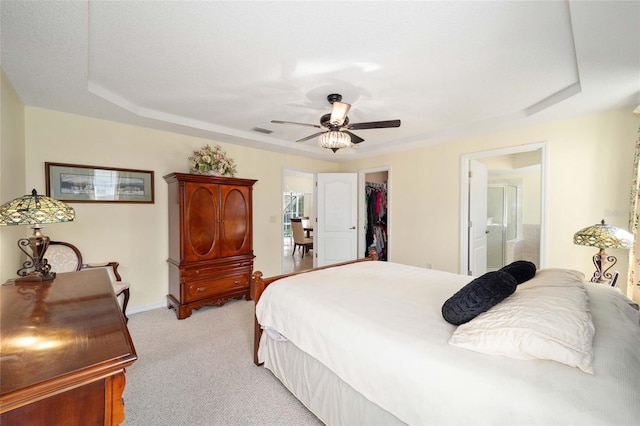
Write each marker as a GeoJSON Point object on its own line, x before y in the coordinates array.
{"type": "Point", "coordinates": [298, 232]}
{"type": "Point", "coordinates": [63, 257]}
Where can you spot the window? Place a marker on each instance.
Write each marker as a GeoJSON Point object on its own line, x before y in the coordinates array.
{"type": "Point", "coordinates": [292, 206]}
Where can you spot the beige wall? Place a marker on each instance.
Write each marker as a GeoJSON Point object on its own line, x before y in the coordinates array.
{"type": "Point", "coordinates": [12, 173]}
{"type": "Point", "coordinates": [589, 177]}
{"type": "Point", "coordinates": [136, 234]}
{"type": "Point", "coordinates": [589, 172]}
{"type": "Point", "coordinates": [303, 184]}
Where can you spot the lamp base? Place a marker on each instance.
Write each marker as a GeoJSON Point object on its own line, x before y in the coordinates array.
{"type": "Point", "coordinates": [600, 260]}
{"type": "Point", "coordinates": [36, 277]}
{"type": "Point", "coordinates": [41, 270]}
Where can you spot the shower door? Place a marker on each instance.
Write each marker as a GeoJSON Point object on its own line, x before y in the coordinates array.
{"type": "Point", "coordinates": [502, 229]}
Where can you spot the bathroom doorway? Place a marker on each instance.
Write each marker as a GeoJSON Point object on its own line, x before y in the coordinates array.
{"type": "Point", "coordinates": [521, 171]}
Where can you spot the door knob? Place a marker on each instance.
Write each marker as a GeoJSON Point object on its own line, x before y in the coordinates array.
{"type": "Point", "coordinates": [353, 227]}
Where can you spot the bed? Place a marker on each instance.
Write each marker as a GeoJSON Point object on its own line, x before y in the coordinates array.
{"type": "Point", "coordinates": [366, 343]}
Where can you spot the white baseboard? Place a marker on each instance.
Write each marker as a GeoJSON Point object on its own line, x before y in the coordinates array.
{"type": "Point", "coordinates": [144, 308]}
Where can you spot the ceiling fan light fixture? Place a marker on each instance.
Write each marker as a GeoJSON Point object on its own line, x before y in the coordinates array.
{"type": "Point", "coordinates": [339, 113]}
{"type": "Point", "coordinates": [334, 140]}
{"type": "Point", "coordinates": [338, 134]}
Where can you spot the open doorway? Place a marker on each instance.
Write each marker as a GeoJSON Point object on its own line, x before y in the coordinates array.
{"type": "Point", "coordinates": [297, 202]}
{"type": "Point", "coordinates": [503, 219]}
{"type": "Point", "coordinates": [374, 212]}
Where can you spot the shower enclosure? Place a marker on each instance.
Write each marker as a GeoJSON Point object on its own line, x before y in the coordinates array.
{"type": "Point", "coordinates": [502, 224]}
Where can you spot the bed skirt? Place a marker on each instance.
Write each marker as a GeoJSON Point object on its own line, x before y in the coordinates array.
{"type": "Point", "coordinates": [333, 401]}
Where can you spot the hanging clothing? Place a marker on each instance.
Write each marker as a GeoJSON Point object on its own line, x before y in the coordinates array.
{"type": "Point", "coordinates": [376, 225]}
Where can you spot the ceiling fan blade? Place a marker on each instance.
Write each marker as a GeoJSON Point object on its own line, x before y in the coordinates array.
{"type": "Point", "coordinates": [355, 139]}
{"type": "Point", "coordinates": [293, 122]}
{"type": "Point", "coordinates": [374, 125]}
{"type": "Point", "coordinates": [310, 137]}
{"type": "Point", "coordinates": [339, 111]}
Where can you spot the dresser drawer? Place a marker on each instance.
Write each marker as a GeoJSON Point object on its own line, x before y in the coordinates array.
{"type": "Point", "coordinates": [196, 290]}
{"type": "Point", "coordinates": [208, 272]}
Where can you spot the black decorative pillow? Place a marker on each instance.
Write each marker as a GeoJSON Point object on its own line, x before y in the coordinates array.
{"type": "Point", "coordinates": [521, 270]}
{"type": "Point", "coordinates": [478, 296]}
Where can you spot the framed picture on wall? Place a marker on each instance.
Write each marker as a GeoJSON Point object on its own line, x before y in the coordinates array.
{"type": "Point", "coordinates": [74, 183]}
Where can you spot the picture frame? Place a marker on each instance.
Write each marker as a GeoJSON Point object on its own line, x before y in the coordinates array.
{"type": "Point", "coordinates": [75, 183]}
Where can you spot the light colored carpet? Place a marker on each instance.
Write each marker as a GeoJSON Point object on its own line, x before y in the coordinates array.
{"type": "Point", "coordinates": [200, 371]}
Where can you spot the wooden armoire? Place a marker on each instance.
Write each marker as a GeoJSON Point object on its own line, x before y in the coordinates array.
{"type": "Point", "coordinates": [210, 240]}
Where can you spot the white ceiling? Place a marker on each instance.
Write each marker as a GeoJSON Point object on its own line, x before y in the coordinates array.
{"type": "Point", "coordinates": [219, 69]}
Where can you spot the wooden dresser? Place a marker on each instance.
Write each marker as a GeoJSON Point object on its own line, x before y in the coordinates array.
{"type": "Point", "coordinates": [210, 240]}
{"type": "Point", "coordinates": [64, 350]}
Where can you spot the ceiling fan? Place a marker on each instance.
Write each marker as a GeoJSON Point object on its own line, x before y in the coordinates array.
{"type": "Point", "coordinates": [336, 128]}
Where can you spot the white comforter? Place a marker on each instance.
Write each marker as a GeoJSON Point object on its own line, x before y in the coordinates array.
{"type": "Point", "coordinates": [378, 326]}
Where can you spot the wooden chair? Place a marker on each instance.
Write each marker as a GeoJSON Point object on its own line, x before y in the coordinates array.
{"type": "Point", "coordinates": [65, 257]}
{"type": "Point", "coordinates": [299, 239]}
{"type": "Point", "coordinates": [306, 225]}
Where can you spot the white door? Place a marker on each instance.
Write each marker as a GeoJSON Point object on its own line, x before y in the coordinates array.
{"type": "Point", "coordinates": [336, 238]}
{"type": "Point", "coordinates": [478, 178]}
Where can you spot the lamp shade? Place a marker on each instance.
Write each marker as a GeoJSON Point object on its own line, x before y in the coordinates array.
{"type": "Point", "coordinates": [334, 140]}
{"type": "Point", "coordinates": [34, 209]}
{"type": "Point", "coordinates": [603, 236]}
{"type": "Point", "coordinates": [339, 113]}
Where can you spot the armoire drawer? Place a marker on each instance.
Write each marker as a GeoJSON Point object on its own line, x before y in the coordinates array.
{"type": "Point", "coordinates": [196, 290]}
{"type": "Point", "coordinates": [204, 273]}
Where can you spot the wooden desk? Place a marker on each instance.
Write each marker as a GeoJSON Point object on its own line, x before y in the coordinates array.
{"type": "Point", "coordinates": [64, 350]}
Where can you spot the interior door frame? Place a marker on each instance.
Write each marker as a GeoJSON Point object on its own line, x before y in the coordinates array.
{"type": "Point", "coordinates": [361, 211]}
{"type": "Point", "coordinates": [477, 238]}
{"type": "Point", "coordinates": [283, 171]}
{"type": "Point", "coordinates": [464, 196]}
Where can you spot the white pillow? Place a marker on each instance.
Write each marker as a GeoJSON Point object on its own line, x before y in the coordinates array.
{"type": "Point", "coordinates": [553, 277]}
{"type": "Point", "coordinates": [550, 323]}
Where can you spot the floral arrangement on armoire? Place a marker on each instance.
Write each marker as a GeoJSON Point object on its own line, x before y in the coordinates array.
{"type": "Point", "coordinates": [212, 161]}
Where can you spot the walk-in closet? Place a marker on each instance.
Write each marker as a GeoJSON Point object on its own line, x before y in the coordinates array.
{"type": "Point", "coordinates": [376, 213]}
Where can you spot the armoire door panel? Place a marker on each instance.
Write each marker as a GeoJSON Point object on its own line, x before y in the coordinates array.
{"type": "Point", "coordinates": [201, 222]}
{"type": "Point", "coordinates": [236, 221]}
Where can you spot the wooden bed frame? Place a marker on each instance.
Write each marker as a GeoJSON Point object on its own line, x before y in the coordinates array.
{"type": "Point", "coordinates": [258, 284]}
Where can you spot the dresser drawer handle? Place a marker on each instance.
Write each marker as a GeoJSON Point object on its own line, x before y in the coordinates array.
{"type": "Point", "coordinates": [200, 289]}
{"type": "Point", "coordinates": [237, 282]}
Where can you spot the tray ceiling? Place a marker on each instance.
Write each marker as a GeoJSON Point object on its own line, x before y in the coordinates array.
{"type": "Point", "coordinates": [221, 70]}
